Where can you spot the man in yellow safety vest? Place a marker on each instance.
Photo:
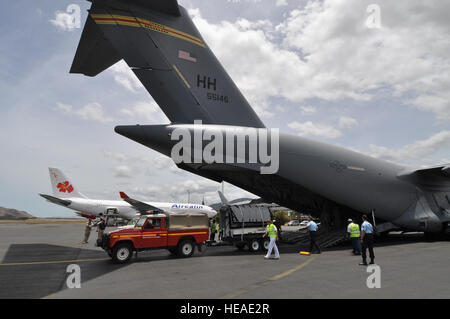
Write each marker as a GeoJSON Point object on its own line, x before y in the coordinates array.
{"type": "Point", "coordinates": [354, 234]}
{"type": "Point", "coordinates": [272, 232]}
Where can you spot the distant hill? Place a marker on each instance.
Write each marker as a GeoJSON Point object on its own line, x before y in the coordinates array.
{"type": "Point", "coordinates": [9, 213]}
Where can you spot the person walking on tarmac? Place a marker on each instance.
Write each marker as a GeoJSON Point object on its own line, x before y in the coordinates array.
{"type": "Point", "coordinates": [312, 228]}
{"type": "Point", "coordinates": [354, 234]}
{"type": "Point", "coordinates": [367, 241]}
{"type": "Point", "coordinates": [87, 230]}
{"type": "Point", "coordinates": [272, 232]}
{"type": "Point", "coordinates": [212, 231]}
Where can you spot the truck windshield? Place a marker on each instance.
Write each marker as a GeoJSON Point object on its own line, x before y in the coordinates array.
{"type": "Point", "coordinates": [141, 222]}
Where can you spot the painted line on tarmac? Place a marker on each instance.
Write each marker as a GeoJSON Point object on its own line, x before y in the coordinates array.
{"type": "Point", "coordinates": [277, 277]}
{"type": "Point", "coordinates": [54, 262]}
{"type": "Point", "coordinates": [290, 271]}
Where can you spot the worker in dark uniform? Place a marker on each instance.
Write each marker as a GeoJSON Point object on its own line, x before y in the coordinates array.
{"type": "Point", "coordinates": [278, 226]}
{"type": "Point", "coordinates": [312, 228]}
{"type": "Point", "coordinates": [212, 231]}
{"type": "Point", "coordinates": [221, 231]}
{"type": "Point", "coordinates": [101, 226]}
{"type": "Point", "coordinates": [367, 241]}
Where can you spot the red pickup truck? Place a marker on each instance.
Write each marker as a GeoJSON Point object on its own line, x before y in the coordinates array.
{"type": "Point", "coordinates": [178, 233]}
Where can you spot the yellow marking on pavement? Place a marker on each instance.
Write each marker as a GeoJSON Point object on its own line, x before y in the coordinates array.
{"type": "Point", "coordinates": [290, 271]}
{"type": "Point", "coordinates": [54, 262]}
{"type": "Point", "coordinates": [277, 277]}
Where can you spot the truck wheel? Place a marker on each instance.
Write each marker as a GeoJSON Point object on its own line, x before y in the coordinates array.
{"type": "Point", "coordinates": [254, 245]}
{"type": "Point", "coordinates": [265, 244]}
{"type": "Point", "coordinates": [122, 253]}
{"type": "Point", "coordinates": [185, 248]}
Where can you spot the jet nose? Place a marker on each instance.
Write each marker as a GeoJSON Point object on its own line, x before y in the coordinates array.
{"type": "Point", "coordinates": [154, 136]}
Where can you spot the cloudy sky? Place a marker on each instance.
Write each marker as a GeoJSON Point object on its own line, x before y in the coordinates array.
{"type": "Point", "coordinates": [370, 76]}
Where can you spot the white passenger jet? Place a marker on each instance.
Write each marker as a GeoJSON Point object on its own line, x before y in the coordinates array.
{"type": "Point", "coordinates": [66, 194]}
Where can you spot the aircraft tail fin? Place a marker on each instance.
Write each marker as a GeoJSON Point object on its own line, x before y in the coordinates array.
{"type": "Point", "coordinates": [223, 199]}
{"type": "Point", "coordinates": [61, 185]}
{"type": "Point", "coordinates": [160, 43]}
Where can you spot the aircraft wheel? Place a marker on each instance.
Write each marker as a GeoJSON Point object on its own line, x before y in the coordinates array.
{"type": "Point", "coordinates": [122, 253]}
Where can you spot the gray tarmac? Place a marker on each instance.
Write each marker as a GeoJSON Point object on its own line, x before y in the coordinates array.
{"type": "Point", "coordinates": [34, 261]}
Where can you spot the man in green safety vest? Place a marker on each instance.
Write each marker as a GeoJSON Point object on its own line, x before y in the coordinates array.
{"type": "Point", "coordinates": [272, 232]}
{"type": "Point", "coordinates": [354, 234]}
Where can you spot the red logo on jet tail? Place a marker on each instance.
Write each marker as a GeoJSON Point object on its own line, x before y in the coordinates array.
{"type": "Point", "coordinates": [65, 187]}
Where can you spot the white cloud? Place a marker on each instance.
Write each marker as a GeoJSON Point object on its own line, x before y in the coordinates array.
{"type": "Point", "coordinates": [329, 53]}
{"type": "Point", "coordinates": [414, 151]}
{"type": "Point", "coordinates": [123, 171]}
{"type": "Point", "coordinates": [409, 54]}
{"type": "Point", "coordinates": [347, 122]}
{"type": "Point", "coordinates": [308, 110]}
{"type": "Point", "coordinates": [311, 129]}
{"type": "Point", "coordinates": [90, 112]}
{"type": "Point", "coordinates": [64, 21]}
{"type": "Point", "coordinates": [125, 77]}
{"type": "Point", "coordinates": [149, 111]}
{"type": "Point", "coordinates": [280, 3]}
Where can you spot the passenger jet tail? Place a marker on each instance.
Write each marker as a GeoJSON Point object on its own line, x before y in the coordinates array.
{"type": "Point", "coordinates": [61, 185]}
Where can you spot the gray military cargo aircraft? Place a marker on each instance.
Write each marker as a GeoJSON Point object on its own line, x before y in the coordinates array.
{"type": "Point", "coordinates": [160, 43]}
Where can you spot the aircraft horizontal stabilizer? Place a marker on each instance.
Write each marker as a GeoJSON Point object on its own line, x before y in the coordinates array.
{"type": "Point", "coordinates": [138, 205]}
{"type": "Point", "coordinates": [95, 53]}
{"type": "Point", "coordinates": [55, 200]}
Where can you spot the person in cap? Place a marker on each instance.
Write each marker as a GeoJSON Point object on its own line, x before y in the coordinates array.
{"type": "Point", "coordinates": [312, 228]}
{"type": "Point", "coordinates": [367, 241]}
{"type": "Point", "coordinates": [354, 234]}
{"type": "Point", "coordinates": [272, 232]}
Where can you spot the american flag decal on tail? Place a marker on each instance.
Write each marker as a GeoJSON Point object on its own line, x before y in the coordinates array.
{"type": "Point", "coordinates": [186, 56]}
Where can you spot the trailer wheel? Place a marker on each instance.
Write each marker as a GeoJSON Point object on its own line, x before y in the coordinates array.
{"type": "Point", "coordinates": [186, 248]}
{"type": "Point", "coordinates": [122, 253]}
{"type": "Point", "coordinates": [265, 244]}
{"type": "Point", "coordinates": [254, 245]}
